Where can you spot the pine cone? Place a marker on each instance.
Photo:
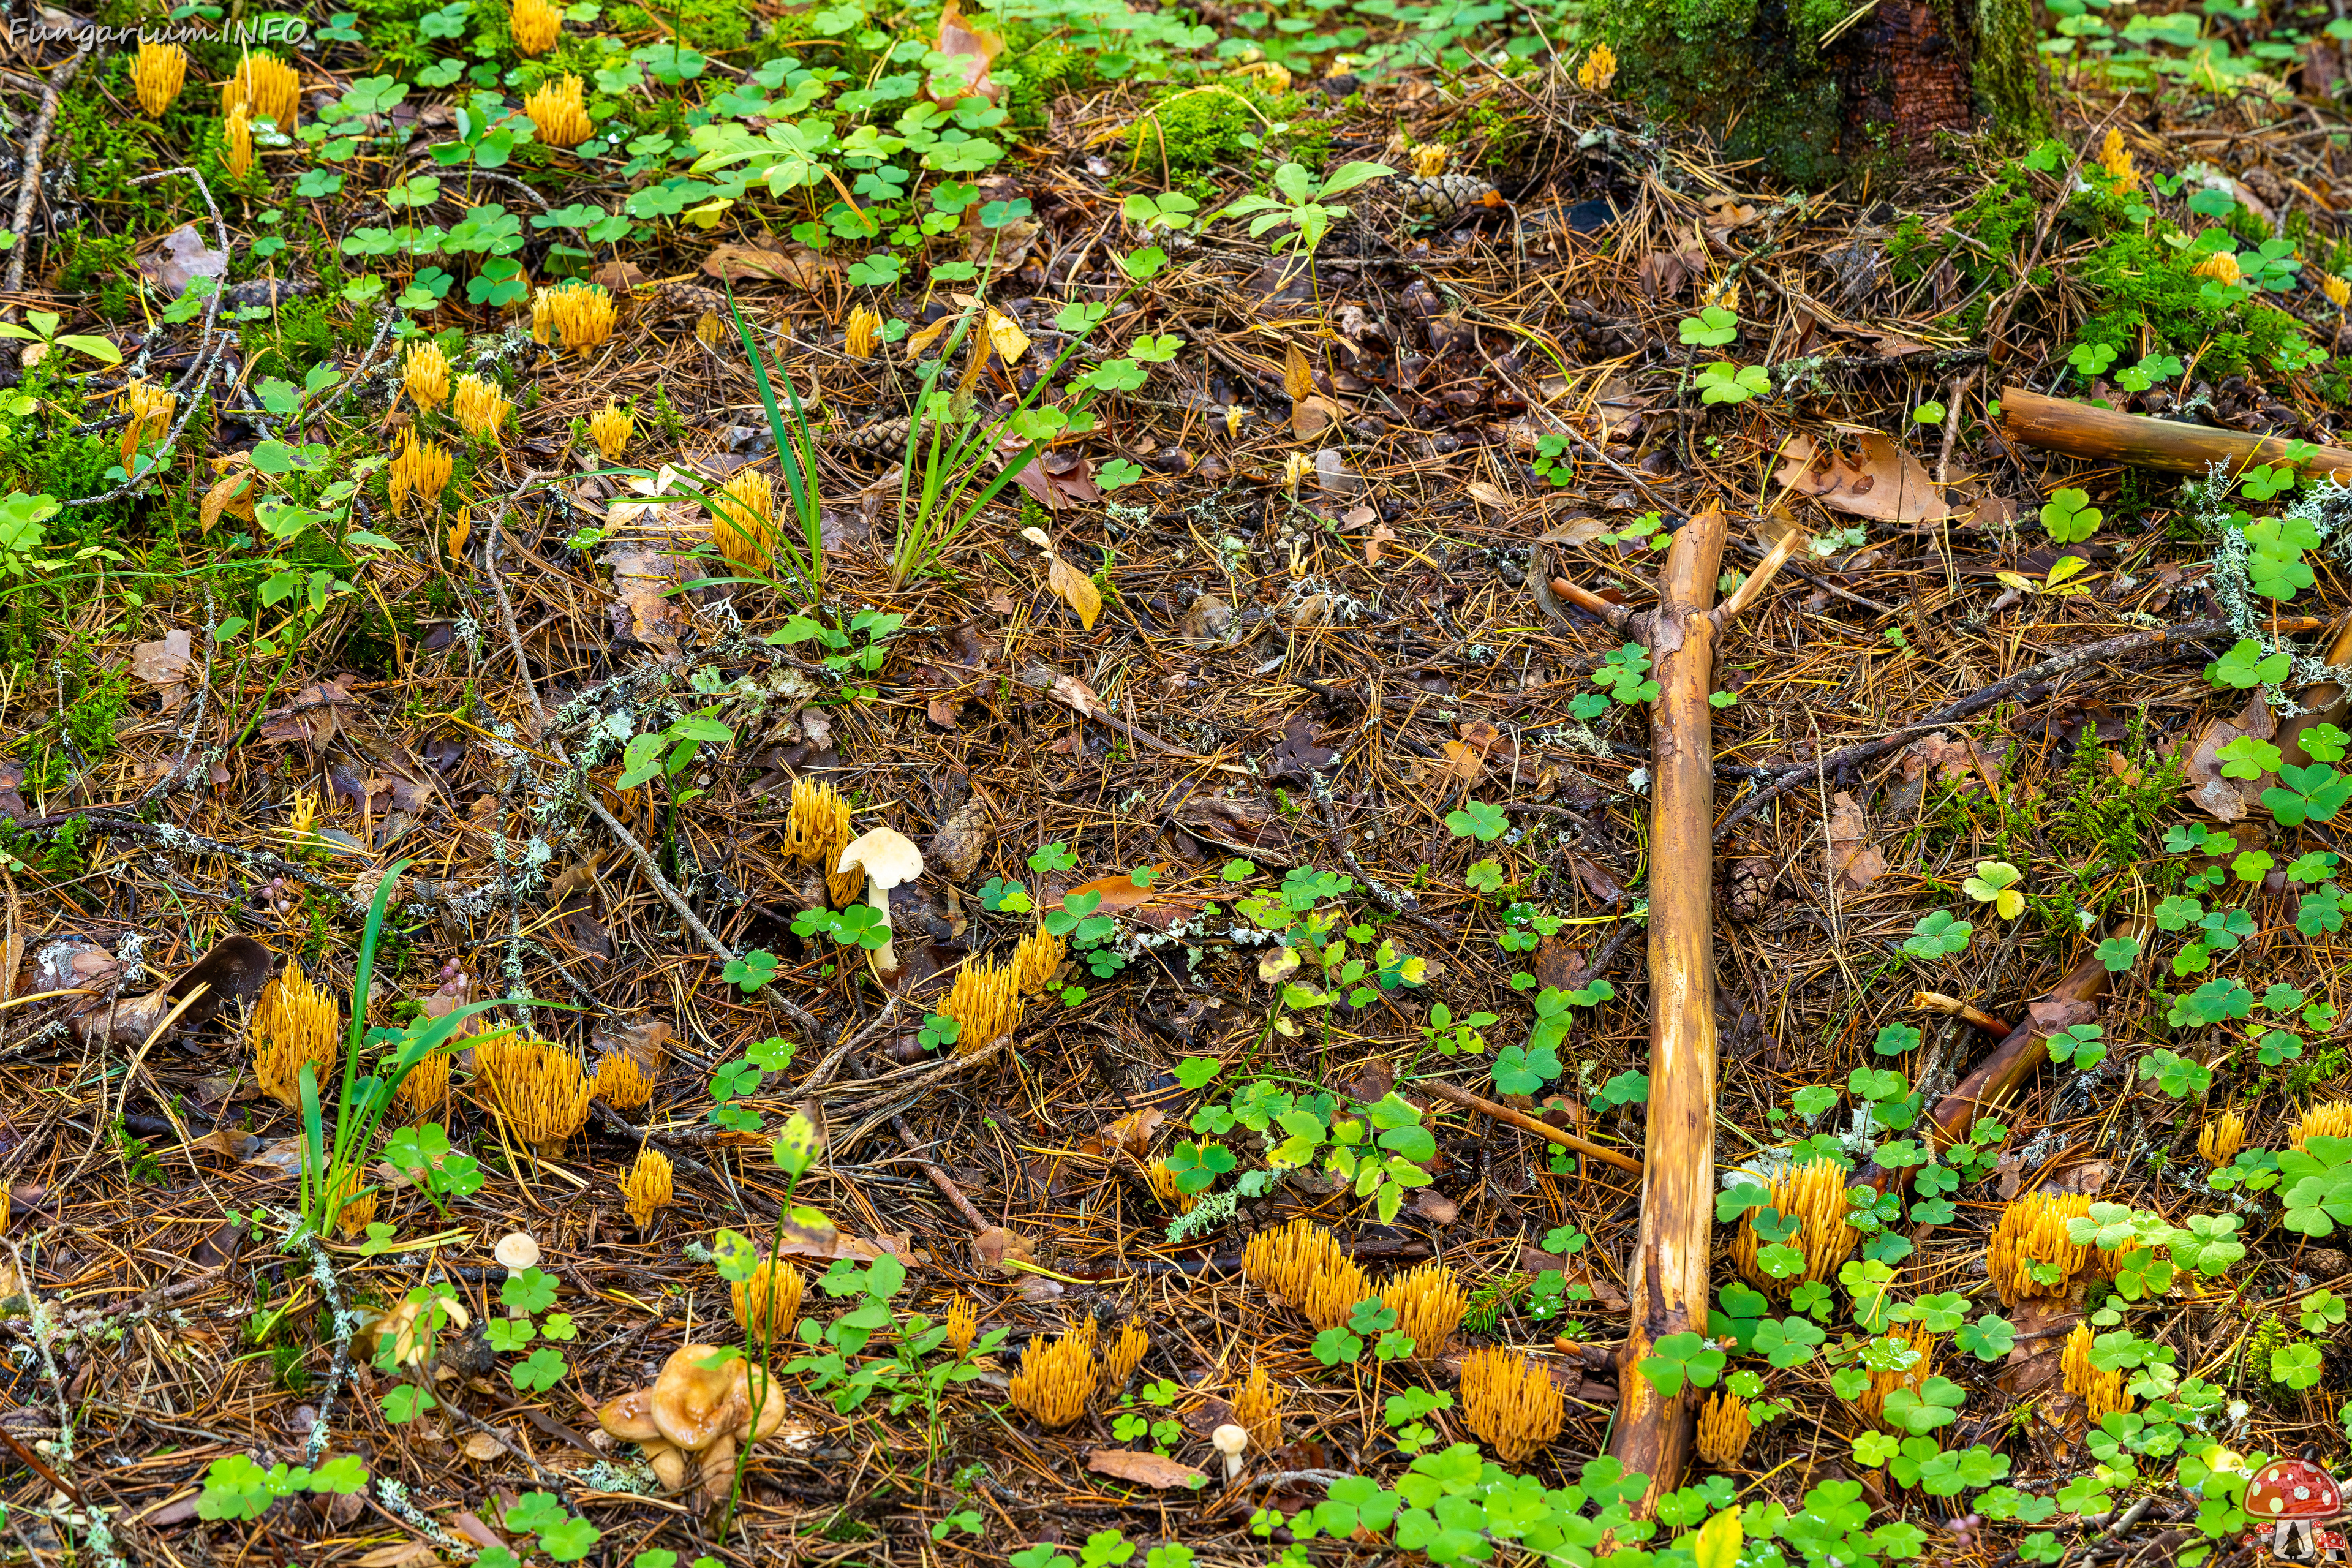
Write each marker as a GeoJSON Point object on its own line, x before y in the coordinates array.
{"type": "Point", "coordinates": [1446, 197]}
{"type": "Point", "coordinates": [1750, 885]}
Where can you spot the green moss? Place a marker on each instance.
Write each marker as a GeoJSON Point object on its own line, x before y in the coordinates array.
{"type": "Point", "coordinates": [1040, 73]}
{"type": "Point", "coordinates": [100, 264]}
{"type": "Point", "coordinates": [304, 334]}
{"type": "Point", "coordinates": [1193, 131]}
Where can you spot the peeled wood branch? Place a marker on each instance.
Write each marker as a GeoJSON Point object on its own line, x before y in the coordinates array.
{"type": "Point", "coordinates": [2106, 435]}
{"type": "Point", "coordinates": [1668, 1288]}
{"type": "Point", "coordinates": [1526, 1124]}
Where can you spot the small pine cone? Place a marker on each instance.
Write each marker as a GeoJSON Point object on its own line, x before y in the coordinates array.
{"type": "Point", "coordinates": [1445, 197]}
{"type": "Point", "coordinates": [1751, 885]}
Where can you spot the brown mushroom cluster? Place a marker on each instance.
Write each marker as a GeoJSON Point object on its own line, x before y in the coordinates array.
{"type": "Point", "coordinates": [696, 1415]}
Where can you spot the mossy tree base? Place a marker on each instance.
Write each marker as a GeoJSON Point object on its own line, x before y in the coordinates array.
{"type": "Point", "coordinates": [1880, 91]}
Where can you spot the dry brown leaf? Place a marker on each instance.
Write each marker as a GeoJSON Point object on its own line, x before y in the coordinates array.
{"type": "Point", "coordinates": [313, 716]}
{"type": "Point", "coordinates": [482, 1446]}
{"type": "Point", "coordinates": [944, 712]}
{"type": "Point", "coordinates": [970, 50]}
{"type": "Point", "coordinates": [799, 265]}
{"type": "Point", "coordinates": [399, 1554]}
{"type": "Point", "coordinates": [1310, 416]}
{"type": "Point", "coordinates": [646, 606]}
{"type": "Point", "coordinates": [164, 663]}
{"type": "Point", "coordinates": [1119, 893]}
{"type": "Point", "coordinates": [1382, 534]}
{"type": "Point", "coordinates": [1144, 1468]}
{"type": "Point", "coordinates": [996, 1246]}
{"type": "Point", "coordinates": [1131, 1134]}
{"type": "Point", "coordinates": [1464, 762]}
{"type": "Point", "coordinates": [1854, 862]}
{"type": "Point", "coordinates": [1076, 589]}
{"type": "Point", "coordinates": [1885, 483]}
{"type": "Point", "coordinates": [231, 495]}
{"type": "Point", "coordinates": [1486, 494]}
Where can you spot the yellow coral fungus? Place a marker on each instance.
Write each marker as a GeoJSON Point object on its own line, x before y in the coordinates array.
{"type": "Point", "coordinates": [2220, 266]}
{"type": "Point", "coordinates": [1814, 1197]}
{"type": "Point", "coordinates": [539, 1089]}
{"type": "Point", "coordinates": [426, 1090]}
{"type": "Point", "coordinates": [1511, 1402]}
{"type": "Point", "coordinates": [1126, 1352]}
{"type": "Point", "coordinates": [1258, 1407]}
{"type": "Point", "coordinates": [1161, 1178]}
{"type": "Point", "coordinates": [863, 333]}
{"type": "Point", "coordinates": [583, 314]}
{"type": "Point", "coordinates": [743, 520]}
{"type": "Point", "coordinates": [1037, 958]}
{"type": "Point", "coordinates": [1723, 1429]}
{"type": "Point", "coordinates": [2102, 1388]}
{"type": "Point", "coordinates": [1333, 1293]}
{"type": "Point", "coordinates": [560, 110]}
{"type": "Point", "coordinates": [1428, 160]}
{"type": "Point", "coordinates": [962, 1323]}
{"type": "Point", "coordinates": [1914, 1350]}
{"type": "Point", "coordinates": [2338, 292]}
{"type": "Point", "coordinates": [647, 1186]}
{"type": "Point", "coordinates": [158, 74]}
{"type": "Point", "coordinates": [2029, 1253]}
{"type": "Point", "coordinates": [1429, 1302]}
{"type": "Point", "coordinates": [2332, 1118]}
{"type": "Point", "coordinates": [420, 468]}
{"type": "Point", "coordinates": [151, 409]}
{"type": "Point", "coordinates": [1283, 1262]}
{"type": "Point", "coordinates": [424, 374]}
{"type": "Point", "coordinates": [768, 1302]}
{"type": "Point", "coordinates": [611, 430]}
{"type": "Point", "coordinates": [986, 1004]}
{"type": "Point", "coordinates": [236, 142]}
{"type": "Point", "coordinates": [1598, 70]}
{"type": "Point", "coordinates": [481, 407]}
{"type": "Point", "coordinates": [358, 1207]}
{"type": "Point", "coordinates": [1057, 1377]}
{"type": "Point", "coordinates": [266, 89]}
{"type": "Point", "coordinates": [2117, 160]}
{"type": "Point", "coordinates": [2219, 1141]}
{"type": "Point", "coordinates": [534, 26]}
{"type": "Point", "coordinates": [295, 1022]}
{"type": "Point", "coordinates": [621, 1082]}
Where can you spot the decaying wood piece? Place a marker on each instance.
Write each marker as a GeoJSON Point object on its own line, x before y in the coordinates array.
{"type": "Point", "coordinates": [1667, 1293]}
{"type": "Point", "coordinates": [2108, 435]}
{"type": "Point", "coordinates": [2016, 1058]}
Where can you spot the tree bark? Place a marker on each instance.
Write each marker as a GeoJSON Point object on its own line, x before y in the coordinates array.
{"type": "Point", "coordinates": [1668, 1293]}
{"type": "Point", "coordinates": [2111, 435]}
{"type": "Point", "coordinates": [1912, 68]}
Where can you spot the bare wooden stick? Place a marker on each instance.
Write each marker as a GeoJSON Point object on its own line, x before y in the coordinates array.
{"type": "Point", "coordinates": [1453, 1094]}
{"type": "Point", "coordinates": [28, 185]}
{"type": "Point", "coordinates": [2106, 435]}
{"type": "Point", "coordinates": [1952, 1006]}
{"type": "Point", "coordinates": [1668, 1293]}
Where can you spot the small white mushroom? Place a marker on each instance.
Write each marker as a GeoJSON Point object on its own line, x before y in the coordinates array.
{"type": "Point", "coordinates": [888, 858]}
{"type": "Point", "coordinates": [517, 1252]}
{"type": "Point", "coordinates": [1231, 1440]}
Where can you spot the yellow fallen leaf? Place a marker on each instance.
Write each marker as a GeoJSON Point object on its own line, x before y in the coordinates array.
{"type": "Point", "coordinates": [1005, 333]}
{"type": "Point", "coordinates": [230, 495]}
{"type": "Point", "coordinates": [1298, 373]}
{"type": "Point", "coordinates": [707, 215]}
{"type": "Point", "coordinates": [1076, 590]}
{"type": "Point", "coordinates": [924, 337]}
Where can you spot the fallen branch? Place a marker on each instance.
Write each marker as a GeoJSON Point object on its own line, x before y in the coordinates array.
{"type": "Point", "coordinates": [1454, 1095]}
{"type": "Point", "coordinates": [2013, 1061]}
{"type": "Point", "coordinates": [29, 184]}
{"type": "Point", "coordinates": [2108, 436]}
{"type": "Point", "coordinates": [1667, 1291]}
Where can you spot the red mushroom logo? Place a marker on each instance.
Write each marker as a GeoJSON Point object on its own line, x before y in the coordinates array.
{"type": "Point", "coordinates": [2292, 1494]}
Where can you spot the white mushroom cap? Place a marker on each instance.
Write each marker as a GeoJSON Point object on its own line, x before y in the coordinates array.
{"type": "Point", "coordinates": [1230, 1441]}
{"type": "Point", "coordinates": [888, 858]}
{"type": "Point", "coordinates": [517, 1252]}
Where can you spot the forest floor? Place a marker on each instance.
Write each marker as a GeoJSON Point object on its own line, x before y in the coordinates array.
{"type": "Point", "coordinates": [536, 578]}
